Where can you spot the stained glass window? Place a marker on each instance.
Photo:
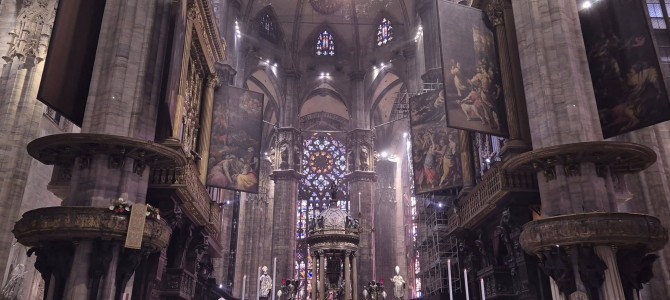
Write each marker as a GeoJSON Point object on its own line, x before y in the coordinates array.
{"type": "Point", "coordinates": [325, 45]}
{"type": "Point", "coordinates": [324, 162]}
{"type": "Point", "coordinates": [384, 32]}
{"type": "Point", "coordinates": [268, 29]}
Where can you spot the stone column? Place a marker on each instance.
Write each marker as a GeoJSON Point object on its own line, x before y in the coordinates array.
{"type": "Point", "coordinates": [284, 207]}
{"type": "Point", "coordinates": [361, 191]}
{"type": "Point", "coordinates": [315, 259]}
{"type": "Point", "coordinates": [347, 276]}
{"type": "Point", "coordinates": [427, 10]}
{"type": "Point", "coordinates": [205, 135]}
{"type": "Point", "coordinates": [496, 14]}
{"type": "Point", "coordinates": [322, 275]}
{"type": "Point", "coordinates": [562, 112]}
{"type": "Point", "coordinates": [611, 288]}
{"type": "Point", "coordinates": [354, 281]}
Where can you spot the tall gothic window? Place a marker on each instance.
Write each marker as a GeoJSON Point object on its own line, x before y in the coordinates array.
{"type": "Point", "coordinates": [384, 32]}
{"type": "Point", "coordinates": [325, 45]}
{"type": "Point", "coordinates": [324, 162]}
{"type": "Point", "coordinates": [268, 28]}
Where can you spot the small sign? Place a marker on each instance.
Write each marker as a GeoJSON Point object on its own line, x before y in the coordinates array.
{"type": "Point", "coordinates": [138, 217]}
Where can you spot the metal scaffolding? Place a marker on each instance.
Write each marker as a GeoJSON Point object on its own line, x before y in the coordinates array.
{"type": "Point", "coordinates": [436, 249]}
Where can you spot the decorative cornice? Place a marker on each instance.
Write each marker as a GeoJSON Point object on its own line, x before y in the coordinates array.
{"type": "Point", "coordinates": [361, 176]}
{"type": "Point", "coordinates": [619, 229]}
{"type": "Point", "coordinates": [63, 149]}
{"type": "Point", "coordinates": [285, 175]}
{"type": "Point", "coordinates": [74, 223]}
{"type": "Point", "coordinates": [619, 157]}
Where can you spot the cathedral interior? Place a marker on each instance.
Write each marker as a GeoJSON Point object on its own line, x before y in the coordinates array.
{"type": "Point", "coordinates": [335, 149]}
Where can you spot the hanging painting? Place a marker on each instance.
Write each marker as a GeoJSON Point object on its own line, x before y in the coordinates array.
{"type": "Point", "coordinates": [627, 80]}
{"type": "Point", "coordinates": [472, 83]}
{"type": "Point", "coordinates": [236, 140]}
{"type": "Point", "coordinates": [435, 147]}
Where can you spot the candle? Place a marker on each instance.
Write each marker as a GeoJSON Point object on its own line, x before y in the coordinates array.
{"type": "Point", "coordinates": [258, 283]}
{"type": "Point", "coordinates": [274, 276]}
{"type": "Point", "coordinates": [481, 283]}
{"type": "Point", "coordinates": [244, 287]}
{"type": "Point", "coordinates": [467, 289]}
{"type": "Point", "coordinates": [359, 202]}
{"type": "Point", "coordinates": [451, 291]}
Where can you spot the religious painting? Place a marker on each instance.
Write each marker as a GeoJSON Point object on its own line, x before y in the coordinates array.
{"type": "Point", "coordinates": [627, 80]}
{"type": "Point", "coordinates": [472, 82]}
{"type": "Point", "coordinates": [435, 147]}
{"type": "Point", "coordinates": [234, 152]}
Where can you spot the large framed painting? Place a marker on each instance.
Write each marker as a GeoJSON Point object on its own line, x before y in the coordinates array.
{"type": "Point", "coordinates": [627, 80]}
{"type": "Point", "coordinates": [474, 97]}
{"type": "Point", "coordinates": [237, 124]}
{"type": "Point", "coordinates": [435, 147]}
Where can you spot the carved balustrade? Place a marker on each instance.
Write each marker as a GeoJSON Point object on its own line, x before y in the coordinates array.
{"type": "Point", "coordinates": [185, 182]}
{"type": "Point", "coordinates": [496, 187]}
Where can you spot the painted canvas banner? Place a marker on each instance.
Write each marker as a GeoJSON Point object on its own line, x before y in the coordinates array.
{"type": "Point", "coordinates": [627, 80]}
{"type": "Point", "coordinates": [435, 147]}
{"type": "Point", "coordinates": [472, 84]}
{"type": "Point", "coordinates": [236, 140]}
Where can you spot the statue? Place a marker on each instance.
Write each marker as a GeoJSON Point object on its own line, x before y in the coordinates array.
{"type": "Point", "coordinates": [398, 284]}
{"type": "Point", "coordinates": [283, 156]}
{"type": "Point", "coordinates": [12, 288]}
{"type": "Point", "coordinates": [265, 284]}
{"type": "Point", "coordinates": [364, 158]}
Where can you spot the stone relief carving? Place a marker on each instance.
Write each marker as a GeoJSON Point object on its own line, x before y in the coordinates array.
{"type": "Point", "coordinates": [556, 264]}
{"type": "Point", "coordinates": [30, 36]}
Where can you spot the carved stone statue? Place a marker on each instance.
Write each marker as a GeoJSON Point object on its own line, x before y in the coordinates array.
{"type": "Point", "coordinates": [398, 284]}
{"type": "Point", "coordinates": [265, 284]}
{"type": "Point", "coordinates": [12, 288]}
{"type": "Point", "coordinates": [364, 158]}
{"type": "Point", "coordinates": [557, 266]}
{"type": "Point", "coordinates": [591, 271]}
{"type": "Point", "coordinates": [283, 156]}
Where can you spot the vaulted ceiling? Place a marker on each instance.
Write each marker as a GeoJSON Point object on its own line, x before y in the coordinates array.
{"type": "Point", "coordinates": [353, 22]}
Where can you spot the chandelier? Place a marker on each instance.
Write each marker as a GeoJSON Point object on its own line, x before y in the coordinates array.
{"type": "Point", "coordinates": [326, 7]}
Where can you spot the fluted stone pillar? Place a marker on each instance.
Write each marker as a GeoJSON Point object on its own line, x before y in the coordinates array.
{"type": "Point", "coordinates": [611, 288]}
{"type": "Point", "coordinates": [347, 276]}
{"type": "Point", "coordinates": [427, 10]}
{"type": "Point", "coordinates": [563, 114]}
{"type": "Point", "coordinates": [315, 259]}
{"type": "Point", "coordinates": [322, 275]}
{"type": "Point", "coordinates": [354, 281]}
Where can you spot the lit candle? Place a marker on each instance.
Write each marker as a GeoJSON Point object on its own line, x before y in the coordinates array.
{"type": "Point", "coordinates": [451, 291]}
{"type": "Point", "coordinates": [359, 202]}
{"type": "Point", "coordinates": [481, 283]}
{"type": "Point", "coordinates": [467, 288]}
{"type": "Point", "coordinates": [274, 276]}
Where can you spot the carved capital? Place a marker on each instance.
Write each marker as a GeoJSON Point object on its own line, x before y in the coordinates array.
{"type": "Point", "coordinates": [495, 12]}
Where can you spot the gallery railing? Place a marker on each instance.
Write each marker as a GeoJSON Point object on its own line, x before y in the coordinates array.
{"type": "Point", "coordinates": [495, 188]}
{"type": "Point", "coordinates": [191, 191]}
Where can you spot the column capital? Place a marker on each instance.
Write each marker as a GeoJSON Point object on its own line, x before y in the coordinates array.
{"type": "Point", "coordinates": [495, 12]}
{"type": "Point", "coordinates": [226, 73]}
{"type": "Point", "coordinates": [278, 175]}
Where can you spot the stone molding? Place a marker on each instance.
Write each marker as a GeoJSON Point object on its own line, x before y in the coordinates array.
{"type": "Point", "coordinates": [618, 157]}
{"type": "Point", "coordinates": [63, 149]}
{"type": "Point", "coordinates": [361, 176]}
{"type": "Point", "coordinates": [617, 229]}
{"type": "Point", "coordinates": [285, 175]}
{"type": "Point", "coordinates": [69, 223]}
